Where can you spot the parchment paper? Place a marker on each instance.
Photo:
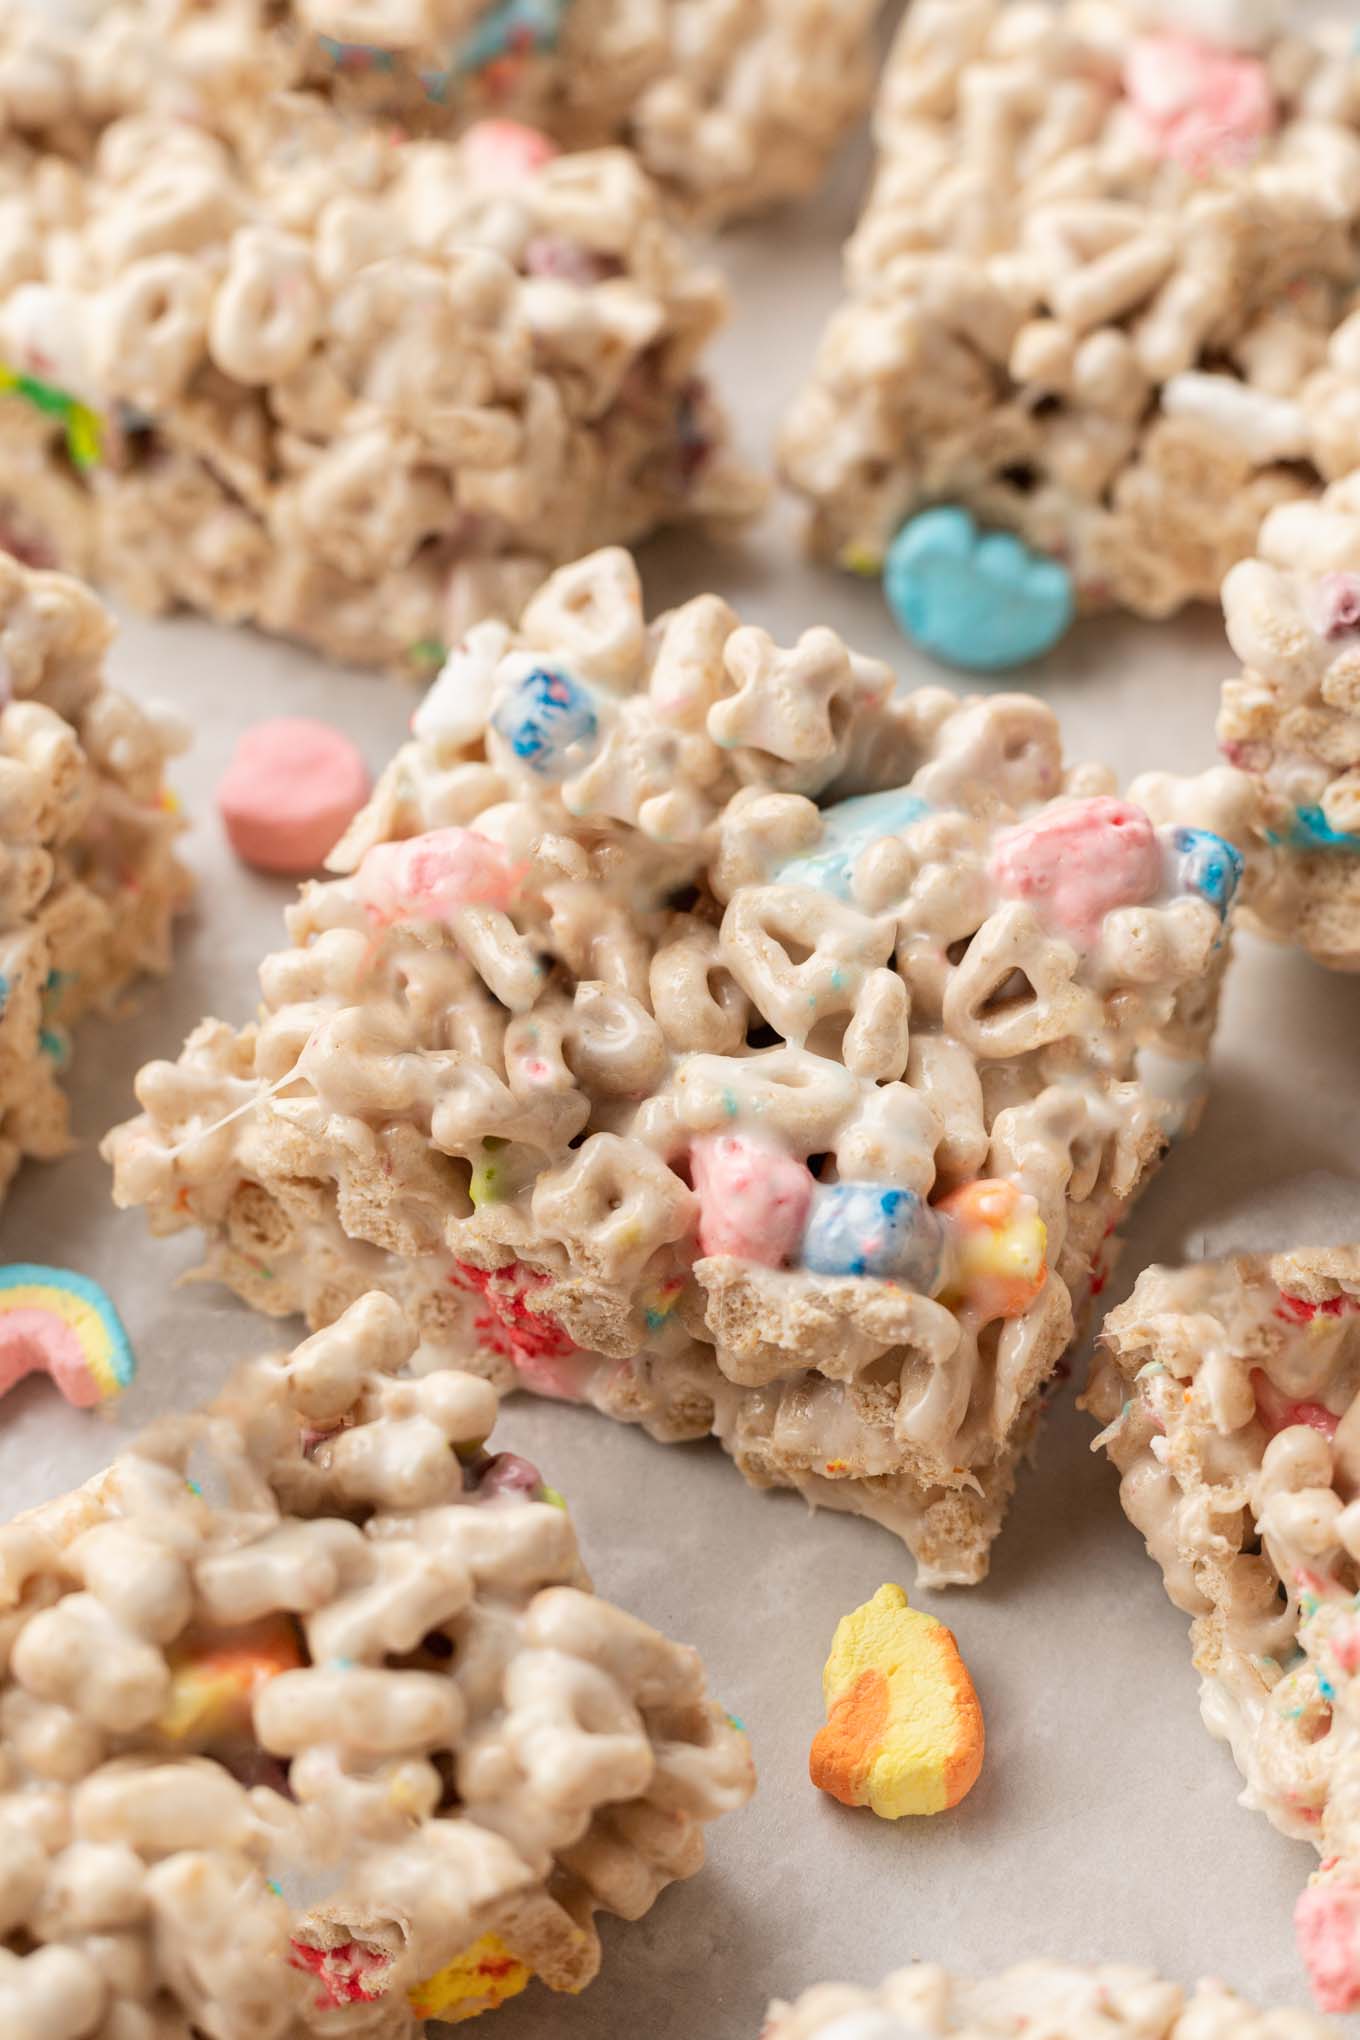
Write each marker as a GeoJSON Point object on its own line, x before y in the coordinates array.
{"type": "Point", "coordinates": [1105, 1823]}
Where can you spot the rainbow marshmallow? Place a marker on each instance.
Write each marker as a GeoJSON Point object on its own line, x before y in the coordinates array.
{"type": "Point", "coordinates": [56, 1322]}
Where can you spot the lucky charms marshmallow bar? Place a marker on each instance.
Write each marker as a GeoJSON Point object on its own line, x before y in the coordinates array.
{"type": "Point", "coordinates": [1293, 718]}
{"type": "Point", "coordinates": [1101, 298]}
{"type": "Point", "coordinates": [348, 390]}
{"type": "Point", "coordinates": [310, 1723]}
{"type": "Point", "coordinates": [729, 108]}
{"type": "Point", "coordinates": [1231, 1392]}
{"type": "Point", "coordinates": [1109, 2002]}
{"type": "Point", "coordinates": [708, 1030]}
{"type": "Point", "coordinates": [89, 880]}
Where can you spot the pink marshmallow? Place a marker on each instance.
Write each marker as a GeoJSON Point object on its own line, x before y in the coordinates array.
{"type": "Point", "coordinates": [1345, 1646]}
{"type": "Point", "coordinates": [1196, 105]}
{"type": "Point", "coordinates": [291, 790]}
{"type": "Point", "coordinates": [1077, 862]}
{"type": "Point", "coordinates": [1327, 1928]}
{"type": "Point", "coordinates": [500, 152]}
{"type": "Point", "coordinates": [753, 1199]}
{"type": "Point", "coordinates": [1334, 605]}
{"type": "Point", "coordinates": [1278, 1413]}
{"type": "Point", "coordinates": [432, 877]}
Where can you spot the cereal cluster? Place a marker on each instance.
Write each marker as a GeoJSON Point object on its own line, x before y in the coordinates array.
{"type": "Point", "coordinates": [1293, 719]}
{"type": "Point", "coordinates": [708, 1030]}
{"type": "Point", "coordinates": [89, 881]}
{"type": "Point", "coordinates": [1102, 294]}
{"type": "Point", "coordinates": [1230, 1391]}
{"type": "Point", "coordinates": [729, 107]}
{"type": "Point", "coordinates": [348, 390]}
{"type": "Point", "coordinates": [1105, 2003]}
{"type": "Point", "coordinates": [311, 1724]}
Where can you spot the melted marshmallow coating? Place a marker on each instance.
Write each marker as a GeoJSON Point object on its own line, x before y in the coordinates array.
{"type": "Point", "coordinates": [308, 1695]}
{"type": "Point", "coordinates": [728, 108]}
{"type": "Point", "coordinates": [89, 882]}
{"type": "Point", "coordinates": [1293, 718]}
{"type": "Point", "coordinates": [347, 389]}
{"type": "Point", "coordinates": [662, 1086]}
{"type": "Point", "coordinates": [1102, 291]}
{"type": "Point", "coordinates": [1054, 1998]}
{"type": "Point", "coordinates": [1230, 1395]}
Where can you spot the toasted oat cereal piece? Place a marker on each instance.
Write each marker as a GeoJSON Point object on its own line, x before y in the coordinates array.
{"type": "Point", "coordinates": [1293, 718]}
{"type": "Point", "coordinates": [353, 391]}
{"type": "Point", "coordinates": [729, 108]}
{"type": "Point", "coordinates": [1054, 1998]}
{"type": "Point", "coordinates": [306, 1706]}
{"type": "Point", "coordinates": [704, 1029]}
{"type": "Point", "coordinates": [1229, 1392]}
{"type": "Point", "coordinates": [1101, 297]}
{"type": "Point", "coordinates": [89, 880]}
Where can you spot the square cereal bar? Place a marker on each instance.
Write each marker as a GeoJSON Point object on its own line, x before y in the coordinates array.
{"type": "Point", "coordinates": [1097, 2003]}
{"type": "Point", "coordinates": [310, 1722]}
{"type": "Point", "coordinates": [1293, 719]}
{"type": "Point", "coordinates": [1229, 1392]}
{"type": "Point", "coordinates": [1101, 297]}
{"type": "Point", "coordinates": [89, 880]}
{"type": "Point", "coordinates": [729, 107]}
{"type": "Point", "coordinates": [709, 1031]}
{"type": "Point", "coordinates": [348, 390]}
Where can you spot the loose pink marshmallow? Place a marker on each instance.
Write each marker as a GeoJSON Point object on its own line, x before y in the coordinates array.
{"type": "Point", "coordinates": [1078, 861]}
{"type": "Point", "coordinates": [291, 790]}
{"type": "Point", "coordinates": [432, 877]}
{"type": "Point", "coordinates": [1196, 105]}
{"type": "Point", "coordinates": [753, 1199]}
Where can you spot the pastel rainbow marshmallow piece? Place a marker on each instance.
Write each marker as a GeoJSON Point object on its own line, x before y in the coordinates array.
{"type": "Point", "coordinates": [753, 1198]}
{"type": "Point", "coordinates": [999, 1244]}
{"type": "Point", "coordinates": [1327, 1929]}
{"type": "Point", "coordinates": [290, 790]}
{"type": "Point", "coordinates": [903, 1731]}
{"type": "Point", "coordinates": [56, 1322]}
{"type": "Point", "coordinates": [212, 1689]}
{"type": "Point", "coordinates": [1078, 861]}
{"type": "Point", "coordinates": [477, 1981]}
{"type": "Point", "coordinates": [977, 599]}
{"type": "Point", "coordinates": [433, 877]}
{"type": "Point", "coordinates": [1197, 105]}
{"type": "Point", "coordinates": [500, 152]}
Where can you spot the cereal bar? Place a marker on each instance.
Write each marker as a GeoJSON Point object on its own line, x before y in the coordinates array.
{"type": "Point", "coordinates": [1229, 1391]}
{"type": "Point", "coordinates": [1293, 718]}
{"type": "Point", "coordinates": [729, 107]}
{"type": "Point", "coordinates": [351, 391]}
{"type": "Point", "coordinates": [89, 880]}
{"type": "Point", "coordinates": [1109, 2002]}
{"type": "Point", "coordinates": [1101, 297]}
{"type": "Point", "coordinates": [311, 1725]}
{"type": "Point", "coordinates": [707, 1030]}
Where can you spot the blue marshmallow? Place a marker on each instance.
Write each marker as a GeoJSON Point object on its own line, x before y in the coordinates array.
{"type": "Point", "coordinates": [874, 1229]}
{"type": "Point", "coordinates": [1313, 831]}
{"type": "Point", "coordinates": [544, 719]}
{"type": "Point", "coordinates": [849, 828]}
{"type": "Point", "coordinates": [981, 600]}
{"type": "Point", "coordinates": [1208, 866]}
